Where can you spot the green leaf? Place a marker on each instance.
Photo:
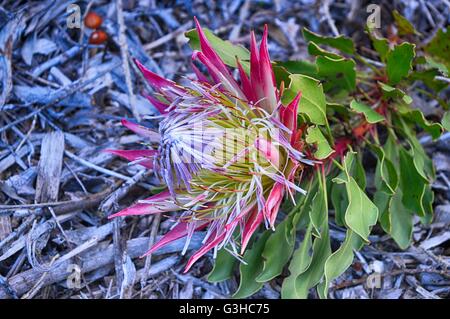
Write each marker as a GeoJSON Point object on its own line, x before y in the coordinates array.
{"type": "Point", "coordinates": [277, 251]}
{"type": "Point", "coordinates": [431, 63]}
{"type": "Point", "coordinates": [301, 260]}
{"type": "Point", "coordinates": [403, 25]}
{"type": "Point", "coordinates": [391, 149]}
{"type": "Point", "coordinates": [315, 136]}
{"type": "Point", "coordinates": [391, 92]}
{"type": "Point", "coordinates": [352, 167]}
{"type": "Point", "coordinates": [427, 203]}
{"type": "Point", "coordinates": [371, 115]}
{"type": "Point", "coordinates": [412, 182]}
{"type": "Point", "coordinates": [399, 62]}
{"type": "Point", "coordinates": [314, 49]}
{"type": "Point", "coordinates": [386, 177]}
{"type": "Point", "coordinates": [422, 163]}
{"type": "Point", "coordinates": [446, 121]}
{"type": "Point", "coordinates": [318, 212]}
{"type": "Point", "coordinates": [341, 259]}
{"type": "Point", "coordinates": [381, 45]}
{"type": "Point", "coordinates": [439, 47]}
{"type": "Point", "coordinates": [312, 268]}
{"type": "Point", "coordinates": [251, 269]}
{"type": "Point", "coordinates": [382, 200]}
{"type": "Point", "coordinates": [313, 102]}
{"type": "Point", "coordinates": [428, 77]}
{"type": "Point", "coordinates": [337, 73]}
{"type": "Point", "coordinates": [225, 49]}
{"type": "Point", "coordinates": [314, 273]}
{"type": "Point", "coordinates": [339, 200]}
{"type": "Point", "coordinates": [299, 67]}
{"type": "Point", "coordinates": [341, 43]}
{"type": "Point", "coordinates": [401, 221]}
{"type": "Point", "coordinates": [417, 117]}
{"type": "Point", "coordinates": [361, 213]}
{"type": "Point", "coordinates": [223, 266]}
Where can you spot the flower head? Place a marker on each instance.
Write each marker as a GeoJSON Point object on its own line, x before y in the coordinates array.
{"type": "Point", "coordinates": [228, 151]}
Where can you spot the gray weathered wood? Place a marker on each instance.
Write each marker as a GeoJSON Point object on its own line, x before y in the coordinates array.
{"type": "Point", "coordinates": [23, 282]}
{"type": "Point", "coordinates": [49, 167]}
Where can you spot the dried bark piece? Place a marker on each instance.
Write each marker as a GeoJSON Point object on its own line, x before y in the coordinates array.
{"type": "Point", "coordinates": [49, 167]}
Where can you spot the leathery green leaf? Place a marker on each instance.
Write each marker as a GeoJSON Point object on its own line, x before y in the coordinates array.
{"type": "Point", "coordinates": [341, 259]}
{"type": "Point", "coordinates": [386, 177]}
{"type": "Point", "coordinates": [399, 62]}
{"type": "Point", "coordinates": [223, 266]}
{"type": "Point", "coordinates": [314, 49]}
{"type": "Point", "coordinates": [300, 262]}
{"type": "Point", "coordinates": [412, 182]}
{"type": "Point", "coordinates": [313, 272]}
{"type": "Point", "coordinates": [339, 200]}
{"type": "Point", "coordinates": [381, 45]}
{"type": "Point", "coordinates": [371, 115]}
{"type": "Point", "coordinates": [250, 269]}
{"type": "Point", "coordinates": [417, 117]}
{"type": "Point", "coordinates": [312, 102]}
{"type": "Point", "coordinates": [382, 200]}
{"type": "Point", "coordinates": [439, 47]}
{"type": "Point", "coordinates": [298, 67]}
{"type": "Point", "coordinates": [361, 213]}
{"type": "Point", "coordinates": [338, 74]}
{"type": "Point", "coordinates": [404, 26]}
{"type": "Point", "coordinates": [391, 92]}
{"type": "Point", "coordinates": [315, 136]}
{"type": "Point", "coordinates": [401, 221]}
{"type": "Point", "coordinates": [341, 43]}
{"type": "Point", "coordinates": [277, 251]}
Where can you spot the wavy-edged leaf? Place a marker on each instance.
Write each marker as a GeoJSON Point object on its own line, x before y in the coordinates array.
{"type": "Point", "coordinates": [382, 200]}
{"type": "Point", "coordinates": [417, 117]}
{"type": "Point", "coordinates": [314, 49]}
{"type": "Point", "coordinates": [338, 74]}
{"type": "Point", "coordinates": [223, 266]}
{"type": "Point", "coordinates": [251, 269]}
{"type": "Point", "coordinates": [341, 43]}
{"type": "Point", "coordinates": [314, 273]}
{"type": "Point", "coordinates": [381, 45]}
{"type": "Point", "coordinates": [401, 221]}
{"type": "Point", "coordinates": [391, 92]}
{"type": "Point", "coordinates": [312, 268]}
{"type": "Point", "coordinates": [277, 251]}
{"type": "Point", "coordinates": [361, 213]}
{"type": "Point", "coordinates": [370, 114]}
{"type": "Point", "coordinates": [313, 102]}
{"type": "Point", "coordinates": [412, 183]}
{"type": "Point", "coordinates": [386, 177]}
{"type": "Point", "coordinates": [315, 136]}
{"type": "Point", "coordinates": [439, 47]}
{"type": "Point", "coordinates": [399, 62]}
{"type": "Point", "coordinates": [404, 26]}
{"type": "Point", "coordinates": [339, 200]}
{"type": "Point", "coordinates": [297, 67]}
{"type": "Point", "coordinates": [300, 262]}
{"type": "Point", "coordinates": [341, 259]}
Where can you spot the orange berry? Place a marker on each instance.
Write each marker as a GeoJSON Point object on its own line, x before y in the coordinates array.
{"type": "Point", "coordinates": [98, 37]}
{"type": "Point", "coordinates": [93, 20]}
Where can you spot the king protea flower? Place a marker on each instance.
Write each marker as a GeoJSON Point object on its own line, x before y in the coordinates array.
{"type": "Point", "coordinates": [228, 151]}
